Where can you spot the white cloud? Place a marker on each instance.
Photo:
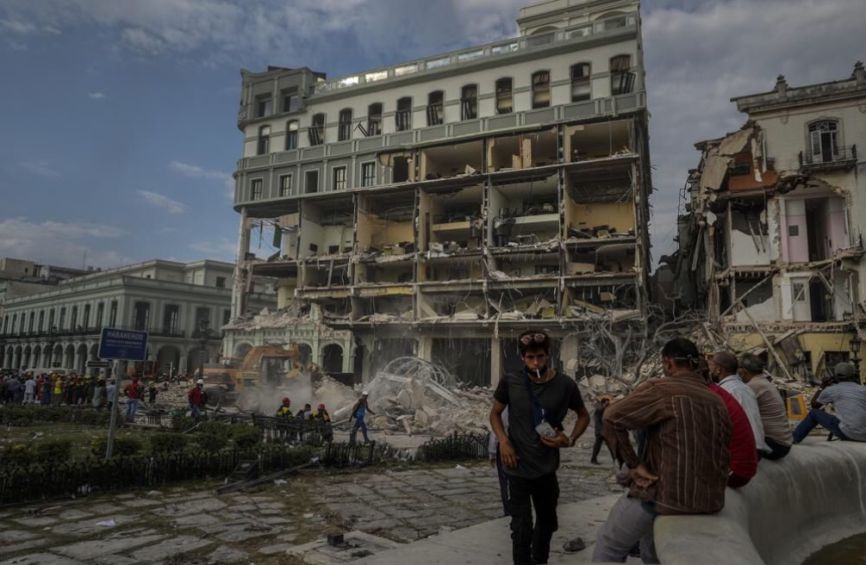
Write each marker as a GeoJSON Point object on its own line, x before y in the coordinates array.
{"type": "Point", "coordinates": [41, 168]}
{"type": "Point", "coordinates": [96, 95]}
{"type": "Point", "coordinates": [222, 249]}
{"type": "Point", "coordinates": [197, 172]}
{"type": "Point", "coordinates": [162, 201]}
{"type": "Point", "coordinates": [60, 243]}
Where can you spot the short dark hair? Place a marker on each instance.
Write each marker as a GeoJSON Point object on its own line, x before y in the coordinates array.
{"type": "Point", "coordinates": [533, 344]}
{"type": "Point", "coordinates": [727, 361]}
{"type": "Point", "coordinates": [752, 363]}
{"type": "Point", "coordinates": [683, 351]}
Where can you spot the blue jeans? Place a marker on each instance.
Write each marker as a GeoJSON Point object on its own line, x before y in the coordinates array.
{"type": "Point", "coordinates": [815, 418]}
{"type": "Point", "coordinates": [131, 408]}
{"type": "Point", "coordinates": [194, 412]}
{"type": "Point", "coordinates": [630, 522]}
{"type": "Point", "coordinates": [359, 425]}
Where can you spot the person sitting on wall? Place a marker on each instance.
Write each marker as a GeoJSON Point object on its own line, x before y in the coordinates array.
{"type": "Point", "coordinates": [724, 369]}
{"type": "Point", "coordinates": [848, 398]}
{"type": "Point", "coordinates": [774, 415]}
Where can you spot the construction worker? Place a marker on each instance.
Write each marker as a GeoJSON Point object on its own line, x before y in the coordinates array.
{"type": "Point", "coordinates": [323, 422]}
{"type": "Point", "coordinates": [197, 400]}
{"type": "Point", "coordinates": [359, 411]}
{"type": "Point", "coordinates": [285, 411]}
{"type": "Point", "coordinates": [322, 414]}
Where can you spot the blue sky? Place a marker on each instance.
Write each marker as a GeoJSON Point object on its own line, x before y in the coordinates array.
{"type": "Point", "coordinates": [119, 132]}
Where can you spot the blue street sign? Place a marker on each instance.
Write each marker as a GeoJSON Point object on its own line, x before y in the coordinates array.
{"type": "Point", "coordinates": [124, 345]}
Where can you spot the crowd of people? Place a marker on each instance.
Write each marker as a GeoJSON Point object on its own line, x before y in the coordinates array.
{"type": "Point", "coordinates": [319, 421]}
{"type": "Point", "coordinates": [679, 440]}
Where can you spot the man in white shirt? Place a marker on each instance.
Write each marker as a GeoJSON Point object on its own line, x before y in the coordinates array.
{"type": "Point", "coordinates": [723, 368]}
{"type": "Point", "coordinates": [29, 389]}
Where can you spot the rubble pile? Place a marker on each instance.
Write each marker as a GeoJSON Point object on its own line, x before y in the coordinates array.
{"type": "Point", "coordinates": [414, 396]}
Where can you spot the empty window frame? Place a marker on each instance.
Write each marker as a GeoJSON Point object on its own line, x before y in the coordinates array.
{"type": "Point", "coordinates": [291, 100]}
{"type": "Point", "coordinates": [264, 106]}
{"type": "Point", "coordinates": [292, 134]}
{"type": "Point", "coordinates": [621, 77]}
{"type": "Point", "coordinates": [339, 178]}
{"type": "Point", "coordinates": [344, 131]}
{"type": "Point", "coordinates": [317, 130]}
{"type": "Point", "coordinates": [256, 189]}
{"type": "Point", "coordinates": [541, 89]}
{"type": "Point", "coordinates": [220, 282]}
{"type": "Point", "coordinates": [823, 140]}
{"type": "Point", "coordinates": [264, 145]}
{"type": "Point", "coordinates": [368, 174]}
{"type": "Point", "coordinates": [504, 96]}
{"type": "Point", "coordinates": [311, 182]}
{"type": "Point", "coordinates": [581, 88]}
{"type": "Point", "coordinates": [469, 102]}
{"type": "Point", "coordinates": [374, 119]}
{"type": "Point", "coordinates": [285, 185]}
{"type": "Point", "coordinates": [436, 108]}
{"type": "Point", "coordinates": [403, 117]}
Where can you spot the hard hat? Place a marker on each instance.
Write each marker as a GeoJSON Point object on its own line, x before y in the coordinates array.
{"type": "Point", "coordinates": [365, 393]}
{"type": "Point", "coordinates": [286, 400]}
{"type": "Point", "coordinates": [321, 406]}
{"type": "Point", "coordinates": [200, 381]}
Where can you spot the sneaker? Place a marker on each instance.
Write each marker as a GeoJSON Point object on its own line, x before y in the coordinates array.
{"type": "Point", "coordinates": [574, 545]}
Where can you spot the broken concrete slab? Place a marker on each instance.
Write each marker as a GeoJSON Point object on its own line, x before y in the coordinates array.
{"type": "Point", "coordinates": [90, 549]}
{"type": "Point", "coordinates": [170, 547]}
{"type": "Point", "coordinates": [226, 554]}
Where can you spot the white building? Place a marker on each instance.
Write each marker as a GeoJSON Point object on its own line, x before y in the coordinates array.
{"type": "Point", "coordinates": [440, 206]}
{"type": "Point", "coordinates": [59, 326]}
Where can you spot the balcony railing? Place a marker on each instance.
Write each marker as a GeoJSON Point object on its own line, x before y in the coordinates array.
{"type": "Point", "coordinates": [90, 331]}
{"type": "Point", "coordinates": [843, 157]}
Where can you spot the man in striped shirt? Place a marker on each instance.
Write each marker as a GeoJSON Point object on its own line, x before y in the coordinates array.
{"type": "Point", "coordinates": [685, 467]}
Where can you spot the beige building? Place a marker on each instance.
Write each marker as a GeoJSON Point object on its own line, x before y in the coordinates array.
{"type": "Point", "coordinates": [773, 242]}
{"type": "Point", "coordinates": [441, 206]}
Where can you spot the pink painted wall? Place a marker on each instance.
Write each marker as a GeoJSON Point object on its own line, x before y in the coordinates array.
{"type": "Point", "coordinates": [795, 248]}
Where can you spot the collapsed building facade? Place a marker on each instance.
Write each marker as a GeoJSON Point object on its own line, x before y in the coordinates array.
{"type": "Point", "coordinates": [438, 208]}
{"type": "Point", "coordinates": [771, 244]}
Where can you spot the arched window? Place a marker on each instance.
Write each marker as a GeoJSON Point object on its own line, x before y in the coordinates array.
{"type": "Point", "coordinates": [504, 99]}
{"type": "Point", "coordinates": [264, 145]}
{"type": "Point", "coordinates": [581, 88]}
{"type": "Point", "coordinates": [292, 134]}
{"type": "Point", "coordinates": [621, 77]}
{"type": "Point", "coordinates": [469, 102]}
{"type": "Point", "coordinates": [436, 108]}
{"type": "Point", "coordinates": [317, 130]}
{"type": "Point", "coordinates": [403, 117]}
{"type": "Point", "coordinates": [824, 141]}
{"type": "Point", "coordinates": [344, 132]}
{"type": "Point", "coordinates": [541, 89]}
{"type": "Point", "coordinates": [374, 119]}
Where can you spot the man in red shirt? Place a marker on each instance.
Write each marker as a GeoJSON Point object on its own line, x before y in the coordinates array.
{"type": "Point", "coordinates": [744, 455]}
{"type": "Point", "coordinates": [196, 399]}
{"type": "Point", "coordinates": [133, 394]}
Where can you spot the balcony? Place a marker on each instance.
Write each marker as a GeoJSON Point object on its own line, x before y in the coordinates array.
{"type": "Point", "coordinates": [843, 159]}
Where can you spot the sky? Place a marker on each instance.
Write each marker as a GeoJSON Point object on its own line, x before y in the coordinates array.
{"type": "Point", "coordinates": [119, 137]}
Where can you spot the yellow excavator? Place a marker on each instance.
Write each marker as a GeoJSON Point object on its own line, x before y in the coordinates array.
{"type": "Point", "coordinates": [263, 365]}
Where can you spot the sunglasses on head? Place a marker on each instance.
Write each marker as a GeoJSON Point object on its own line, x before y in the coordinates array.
{"type": "Point", "coordinates": [530, 338]}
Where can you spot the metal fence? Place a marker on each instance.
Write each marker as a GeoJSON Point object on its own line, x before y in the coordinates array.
{"type": "Point", "coordinates": [293, 430]}
{"type": "Point", "coordinates": [455, 446]}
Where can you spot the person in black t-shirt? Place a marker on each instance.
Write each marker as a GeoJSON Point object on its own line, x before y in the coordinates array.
{"type": "Point", "coordinates": [538, 399]}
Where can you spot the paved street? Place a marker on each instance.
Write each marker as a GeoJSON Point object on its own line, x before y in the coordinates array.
{"type": "Point", "coordinates": [191, 524]}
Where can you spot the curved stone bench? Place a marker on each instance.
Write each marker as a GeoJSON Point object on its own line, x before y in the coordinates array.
{"type": "Point", "coordinates": [792, 508]}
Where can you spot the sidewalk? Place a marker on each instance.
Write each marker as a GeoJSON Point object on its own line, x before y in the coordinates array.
{"type": "Point", "coordinates": [490, 542]}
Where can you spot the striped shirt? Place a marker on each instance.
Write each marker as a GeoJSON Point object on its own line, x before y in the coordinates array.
{"type": "Point", "coordinates": [688, 431]}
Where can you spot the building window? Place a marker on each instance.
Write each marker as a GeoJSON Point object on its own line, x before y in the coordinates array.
{"type": "Point", "coordinates": [264, 145]}
{"type": "Point", "coordinates": [311, 182]}
{"type": "Point", "coordinates": [50, 320]}
{"type": "Point", "coordinates": [85, 319]}
{"type": "Point", "coordinates": [227, 316]}
{"type": "Point", "coordinates": [141, 316]}
{"type": "Point", "coordinates": [469, 102]}
{"type": "Point", "coordinates": [581, 88]}
{"type": "Point", "coordinates": [504, 99]}
{"type": "Point", "coordinates": [264, 106]}
{"type": "Point", "coordinates": [171, 319]}
{"type": "Point", "coordinates": [435, 108]}
{"type": "Point", "coordinates": [5, 324]}
{"type": "Point", "coordinates": [344, 132]}
{"type": "Point", "coordinates": [541, 89]}
{"type": "Point", "coordinates": [291, 135]}
{"type": "Point", "coordinates": [73, 318]}
{"type": "Point", "coordinates": [31, 322]}
{"type": "Point", "coordinates": [823, 139]}
{"type": "Point", "coordinates": [202, 316]}
{"type": "Point", "coordinates": [403, 118]}
{"type": "Point", "coordinates": [41, 326]}
{"type": "Point", "coordinates": [621, 77]}
{"type": "Point", "coordinates": [374, 119]}
{"type": "Point", "coordinates": [256, 189]}
{"type": "Point", "coordinates": [285, 185]}
{"type": "Point", "coordinates": [291, 100]}
{"type": "Point", "coordinates": [61, 323]}
{"type": "Point", "coordinates": [100, 312]}
{"type": "Point", "coordinates": [112, 314]}
{"type": "Point", "coordinates": [368, 174]}
{"type": "Point", "coordinates": [220, 282]}
{"type": "Point", "coordinates": [339, 178]}
{"type": "Point", "coordinates": [317, 130]}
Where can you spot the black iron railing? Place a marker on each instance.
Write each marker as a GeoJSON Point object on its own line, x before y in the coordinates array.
{"type": "Point", "coordinates": [841, 156]}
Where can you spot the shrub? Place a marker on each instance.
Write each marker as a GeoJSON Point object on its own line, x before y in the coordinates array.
{"type": "Point", "coordinates": [165, 443]}
{"type": "Point", "coordinates": [212, 442]}
{"type": "Point", "coordinates": [181, 423]}
{"type": "Point", "coordinates": [246, 437]}
{"type": "Point", "coordinates": [124, 446]}
{"type": "Point", "coordinates": [53, 450]}
{"type": "Point", "coordinates": [17, 454]}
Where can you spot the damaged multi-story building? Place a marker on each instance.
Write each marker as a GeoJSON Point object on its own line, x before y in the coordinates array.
{"type": "Point", "coordinates": [441, 206]}
{"type": "Point", "coordinates": [772, 241]}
